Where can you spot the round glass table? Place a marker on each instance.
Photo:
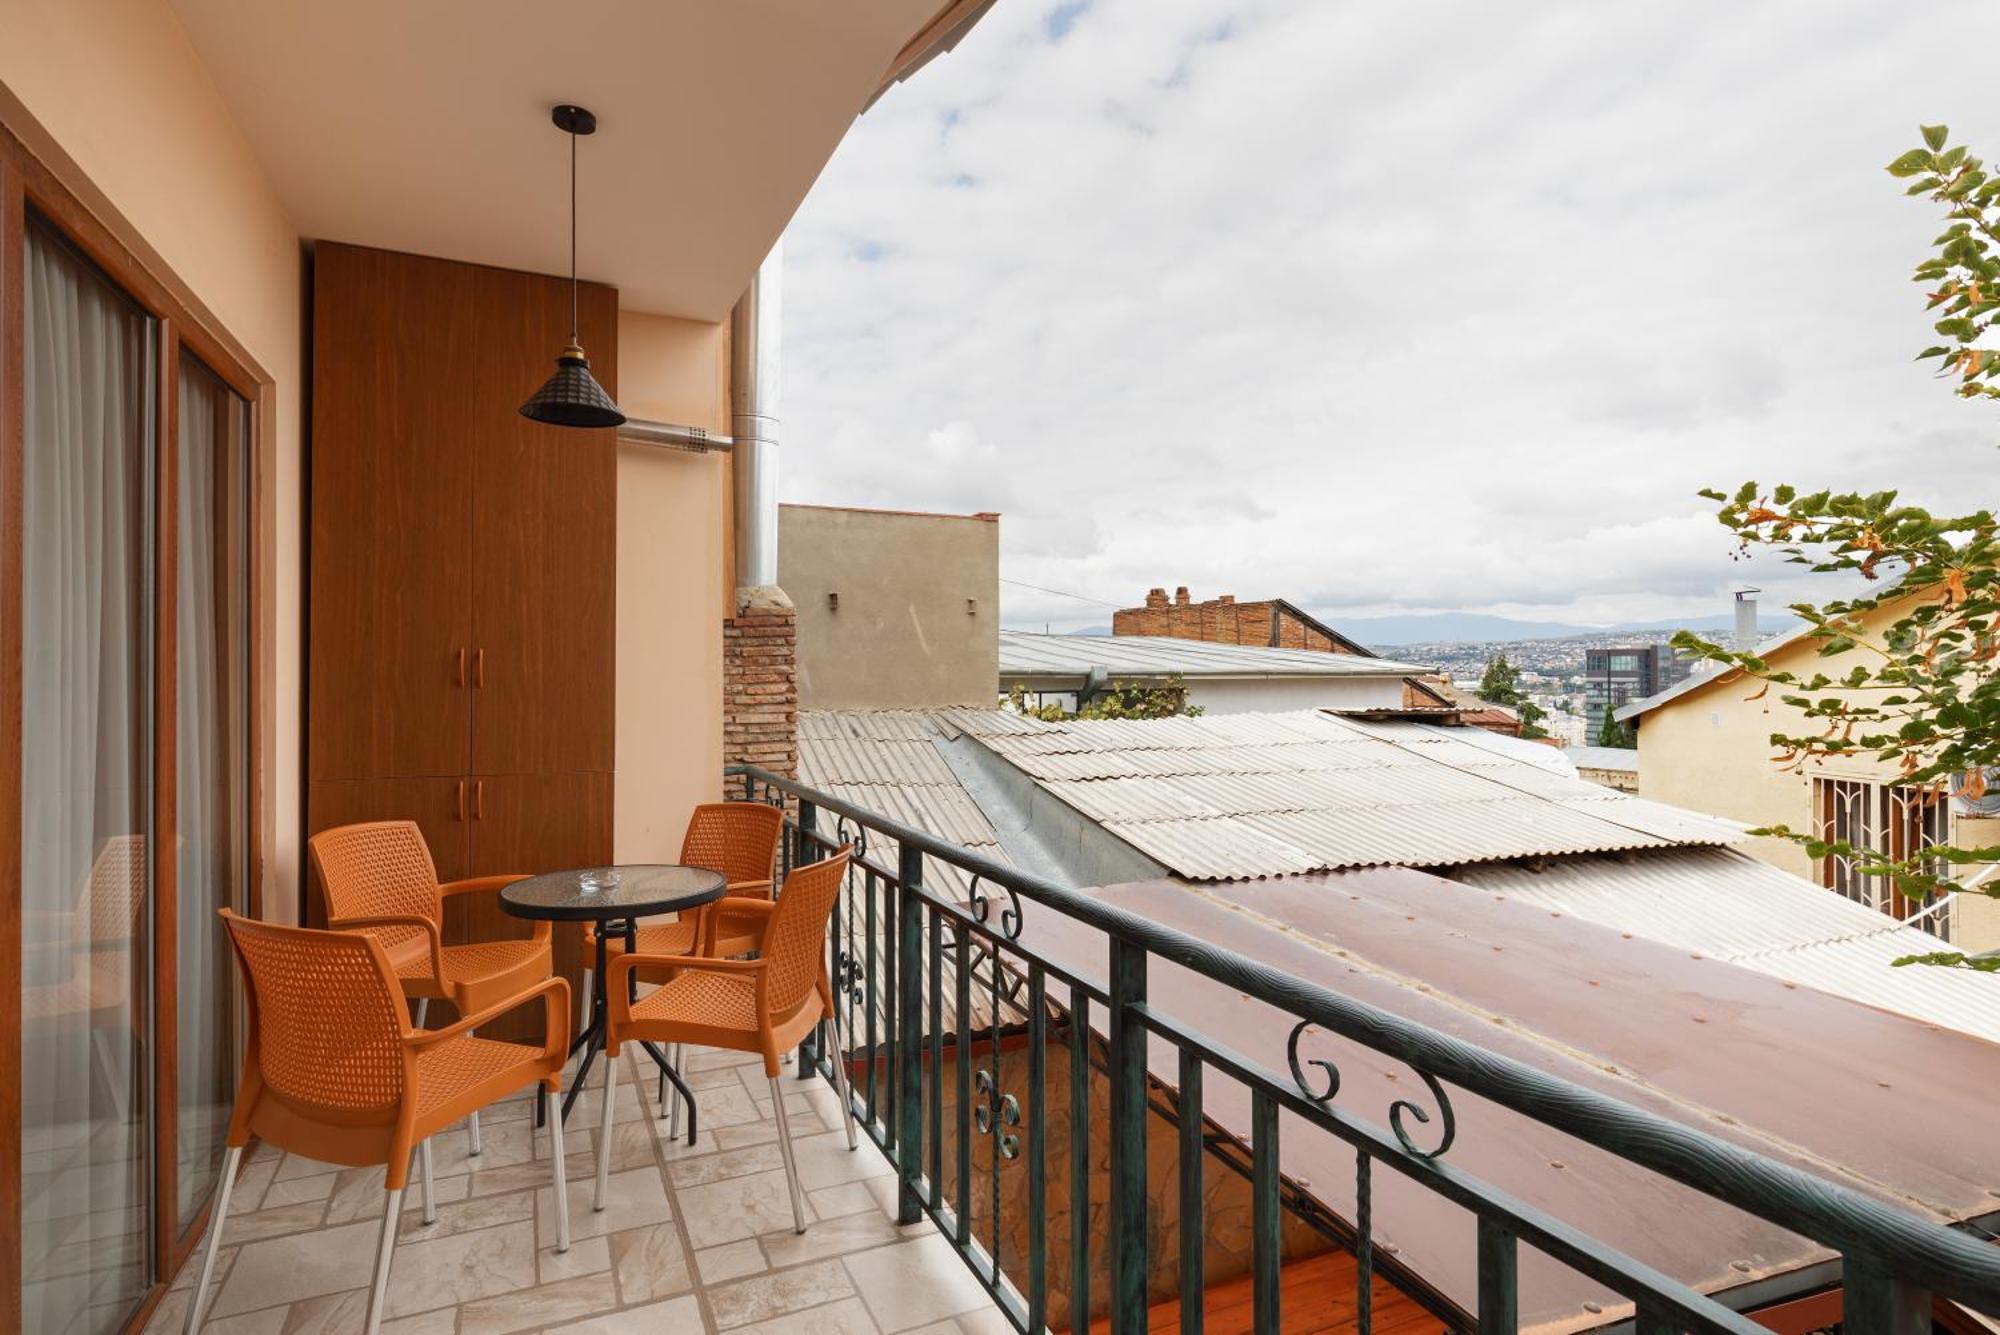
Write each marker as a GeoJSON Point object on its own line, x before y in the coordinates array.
{"type": "Point", "coordinates": [613, 899]}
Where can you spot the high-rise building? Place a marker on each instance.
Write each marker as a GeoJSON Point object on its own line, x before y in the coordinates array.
{"type": "Point", "coordinates": [1624, 673]}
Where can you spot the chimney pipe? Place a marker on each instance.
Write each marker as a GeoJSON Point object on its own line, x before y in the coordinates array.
{"type": "Point", "coordinates": [1746, 620]}
{"type": "Point", "coordinates": [756, 326]}
{"type": "Point", "coordinates": [1181, 596]}
{"type": "Point", "coordinates": [1156, 597]}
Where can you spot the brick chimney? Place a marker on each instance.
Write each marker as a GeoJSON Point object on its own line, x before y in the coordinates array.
{"type": "Point", "coordinates": [1226, 599]}
{"type": "Point", "coordinates": [1157, 597]}
{"type": "Point", "coordinates": [1181, 596]}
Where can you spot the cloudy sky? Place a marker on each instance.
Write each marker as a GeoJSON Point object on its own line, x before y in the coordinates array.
{"type": "Point", "coordinates": [1384, 308]}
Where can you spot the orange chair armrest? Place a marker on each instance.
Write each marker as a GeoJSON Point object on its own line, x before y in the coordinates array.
{"type": "Point", "coordinates": [760, 890]}
{"type": "Point", "coordinates": [620, 969]}
{"type": "Point", "coordinates": [430, 930]}
{"type": "Point", "coordinates": [759, 908]}
{"type": "Point", "coordinates": [555, 995]}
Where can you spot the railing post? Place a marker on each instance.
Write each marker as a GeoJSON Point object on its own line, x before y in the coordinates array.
{"type": "Point", "coordinates": [909, 1032]}
{"type": "Point", "coordinates": [1128, 1136]}
{"type": "Point", "coordinates": [1499, 1283]}
{"type": "Point", "coordinates": [1875, 1302]}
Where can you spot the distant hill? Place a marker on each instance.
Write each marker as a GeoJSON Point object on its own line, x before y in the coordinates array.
{"type": "Point", "coordinates": [1462, 627]}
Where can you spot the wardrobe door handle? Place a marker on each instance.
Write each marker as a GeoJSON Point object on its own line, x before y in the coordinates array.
{"type": "Point", "coordinates": [479, 799]}
{"type": "Point", "coordinates": [458, 678]}
{"type": "Point", "coordinates": [461, 800]}
{"type": "Point", "coordinates": [478, 668]}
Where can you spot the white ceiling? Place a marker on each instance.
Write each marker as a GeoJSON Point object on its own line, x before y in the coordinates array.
{"type": "Point", "coordinates": [423, 126]}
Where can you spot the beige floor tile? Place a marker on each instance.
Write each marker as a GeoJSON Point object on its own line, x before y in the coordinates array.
{"type": "Point", "coordinates": [297, 1190]}
{"type": "Point", "coordinates": [586, 1256]}
{"type": "Point", "coordinates": [271, 1223]}
{"type": "Point", "coordinates": [846, 1317]}
{"type": "Point", "coordinates": [631, 1200]}
{"type": "Point", "coordinates": [673, 1317]}
{"type": "Point", "coordinates": [446, 1271]}
{"type": "Point", "coordinates": [650, 1263]}
{"type": "Point", "coordinates": [693, 1172]}
{"type": "Point", "coordinates": [301, 1265]}
{"type": "Point", "coordinates": [825, 1161]}
{"type": "Point", "coordinates": [565, 1300]}
{"type": "Point", "coordinates": [444, 1321]}
{"type": "Point", "coordinates": [845, 1199]}
{"type": "Point", "coordinates": [914, 1283]}
{"type": "Point", "coordinates": [737, 1207]}
{"type": "Point", "coordinates": [782, 1291]}
{"type": "Point", "coordinates": [831, 1237]}
{"type": "Point", "coordinates": [335, 1314]}
{"type": "Point", "coordinates": [465, 1216]}
{"type": "Point", "coordinates": [732, 1260]}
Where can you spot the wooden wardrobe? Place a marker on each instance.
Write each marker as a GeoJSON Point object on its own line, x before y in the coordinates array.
{"type": "Point", "coordinates": [462, 571]}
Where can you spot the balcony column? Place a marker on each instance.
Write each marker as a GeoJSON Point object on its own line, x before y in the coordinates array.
{"type": "Point", "coordinates": [760, 688]}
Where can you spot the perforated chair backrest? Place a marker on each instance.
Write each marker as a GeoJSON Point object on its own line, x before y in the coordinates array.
{"type": "Point", "coordinates": [738, 839]}
{"type": "Point", "coordinates": [326, 1016]}
{"type": "Point", "coordinates": [795, 940]}
{"type": "Point", "coordinates": [377, 869]}
{"type": "Point", "coordinates": [116, 893]}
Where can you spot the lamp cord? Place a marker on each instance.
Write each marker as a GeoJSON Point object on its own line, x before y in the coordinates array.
{"type": "Point", "coordinates": [572, 238]}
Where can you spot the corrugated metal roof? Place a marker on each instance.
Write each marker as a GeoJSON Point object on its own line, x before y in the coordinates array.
{"type": "Point", "coordinates": [1025, 654]}
{"type": "Point", "coordinates": [1722, 904]}
{"type": "Point", "coordinates": [1239, 796]}
{"type": "Point", "coordinates": [1809, 1079]}
{"type": "Point", "coordinates": [1603, 757]}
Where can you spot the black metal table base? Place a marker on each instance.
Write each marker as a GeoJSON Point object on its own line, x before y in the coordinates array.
{"type": "Point", "coordinates": [591, 1040]}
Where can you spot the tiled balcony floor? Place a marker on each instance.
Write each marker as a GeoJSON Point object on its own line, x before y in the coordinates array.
{"type": "Point", "coordinates": [690, 1240]}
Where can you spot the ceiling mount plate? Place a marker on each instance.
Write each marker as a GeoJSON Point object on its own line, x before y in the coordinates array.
{"type": "Point", "coordinates": [573, 120]}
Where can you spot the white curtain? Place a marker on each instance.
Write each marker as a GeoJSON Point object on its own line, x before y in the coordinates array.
{"type": "Point", "coordinates": [210, 598]}
{"type": "Point", "coordinates": [86, 792]}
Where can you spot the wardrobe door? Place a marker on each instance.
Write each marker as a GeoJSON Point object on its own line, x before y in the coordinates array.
{"type": "Point", "coordinates": [394, 444]}
{"type": "Point", "coordinates": [533, 823]}
{"type": "Point", "coordinates": [544, 545]}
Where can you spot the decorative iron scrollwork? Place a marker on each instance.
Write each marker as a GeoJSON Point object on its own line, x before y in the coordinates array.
{"type": "Point", "coordinates": [848, 832]}
{"type": "Point", "coordinates": [996, 1112]}
{"type": "Point", "coordinates": [849, 976]}
{"type": "Point", "coordinates": [1299, 1077]}
{"type": "Point", "coordinates": [981, 905]}
{"type": "Point", "coordinates": [1448, 1127]}
{"type": "Point", "coordinates": [1322, 1088]}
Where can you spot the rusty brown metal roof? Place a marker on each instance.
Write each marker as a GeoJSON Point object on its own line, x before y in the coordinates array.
{"type": "Point", "coordinates": [1888, 1105]}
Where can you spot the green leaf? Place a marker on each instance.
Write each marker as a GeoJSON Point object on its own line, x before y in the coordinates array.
{"type": "Point", "coordinates": [1910, 163]}
{"type": "Point", "coordinates": [1935, 135]}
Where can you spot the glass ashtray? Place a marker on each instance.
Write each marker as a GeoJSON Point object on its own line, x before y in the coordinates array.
{"type": "Point", "coordinates": [594, 882]}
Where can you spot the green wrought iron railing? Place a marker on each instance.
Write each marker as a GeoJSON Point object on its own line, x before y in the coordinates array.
{"type": "Point", "coordinates": [939, 993]}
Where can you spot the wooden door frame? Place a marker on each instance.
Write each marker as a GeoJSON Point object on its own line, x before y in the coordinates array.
{"type": "Point", "coordinates": [27, 182]}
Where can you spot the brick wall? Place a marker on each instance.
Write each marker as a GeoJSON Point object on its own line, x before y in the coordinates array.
{"type": "Point", "coordinates": [760, 683]}
{"type": "Point", "coordinates": [1222, 620]}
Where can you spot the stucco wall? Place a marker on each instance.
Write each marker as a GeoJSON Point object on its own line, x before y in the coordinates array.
{"type": "Point", "coordinates": [918, 616]}
{"type": "Point", "coordinates": [110, 95]}
{"type": "Point", "coordinates": [1274, 695]}
{"type": "Point", "coordinates": [671, 511]}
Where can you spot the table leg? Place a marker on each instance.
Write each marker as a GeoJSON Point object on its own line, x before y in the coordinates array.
{"type": "Point", "coordinates": [591, 1036]}
{"type": "Point", "coordinates": [667, 1072]}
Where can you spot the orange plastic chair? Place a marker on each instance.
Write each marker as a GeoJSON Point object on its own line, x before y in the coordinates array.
{"type": "Point", "coordinates": [738, 839]}
{"type": "Point", "coordinates": [766, 1005]}
{"type": "Point", "coordinates": [378, 877]}
{"type": "Point", "coordinates": [334, 1071]}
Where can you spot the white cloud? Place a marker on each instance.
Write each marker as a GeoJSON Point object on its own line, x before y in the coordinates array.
{"type": "Point", "coordinates": [1432, 306]}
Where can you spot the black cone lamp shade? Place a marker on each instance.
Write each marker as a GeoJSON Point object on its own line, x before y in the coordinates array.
{"type": "Point", "coordinates": [572, 396]}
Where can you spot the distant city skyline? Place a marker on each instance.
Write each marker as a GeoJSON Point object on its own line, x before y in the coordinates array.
{"type": "Point", "coordinates": [1382, 312]}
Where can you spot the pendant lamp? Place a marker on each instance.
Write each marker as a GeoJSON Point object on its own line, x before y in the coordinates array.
{"type": "Point", "coordinates": [572, 396]}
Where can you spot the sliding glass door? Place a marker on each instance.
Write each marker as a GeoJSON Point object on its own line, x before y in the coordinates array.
{"type": "Point", "coordinates": [135, 551]}
{"type": "Point", "coordinates": [212, 763]}
{"type": "Point", "coordinates": [87, 791]}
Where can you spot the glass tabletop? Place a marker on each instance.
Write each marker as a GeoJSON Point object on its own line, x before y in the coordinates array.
{"type": "Point", "coordinates": [639, 891]}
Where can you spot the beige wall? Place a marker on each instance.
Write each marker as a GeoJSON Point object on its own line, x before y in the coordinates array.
{"type": "Point", "coordinates": [109, 94]}
{"type": "Point", "coordinates": [671, 511]}
{"type": "Point", "coordinates": [1709, 750]}
{"type": "Point", "coordinates": [902, 635]}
